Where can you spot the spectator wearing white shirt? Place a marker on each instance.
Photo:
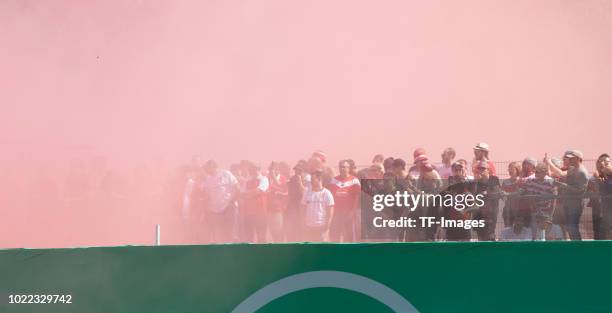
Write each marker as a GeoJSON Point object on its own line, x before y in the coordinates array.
{"type": "Point", "coordinates": [221, 189]}
{"type": "Point", "coordinates": [318, 205]}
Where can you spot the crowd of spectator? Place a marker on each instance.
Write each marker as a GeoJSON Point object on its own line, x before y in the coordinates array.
{"type": "Point", "coordinates": [540, 200]}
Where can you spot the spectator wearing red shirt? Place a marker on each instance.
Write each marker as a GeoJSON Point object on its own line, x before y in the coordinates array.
{"type": "Point", "coordinates": [277, 201]}
{"type": "Point", "coordinates": [346, 190]}
{"type": "Point", "coordinates": [253, 206]}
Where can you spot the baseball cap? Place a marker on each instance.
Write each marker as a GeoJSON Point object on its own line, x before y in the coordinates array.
{"type": "Point", "coordinates": [573, 154]}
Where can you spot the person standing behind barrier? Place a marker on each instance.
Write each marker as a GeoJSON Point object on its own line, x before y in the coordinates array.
{"type": "Point", "coordinates": [448, 155]}
{"type": "Point", "coordinates": [221, 188]}
{"type": "Point", "coordinates": [253, 206]}
{"type": "Point", "coordinates": [487, 185]}
{"type": "Point", "coordinates": [576, 180]}
{"type": "Point", "coordinates": [318, 206]}
{"type": "Point", "coordinates": [558, 217]}
{"type": "Point", "coordinates": [595, 200]}
{"type": "Point", "coordinates": [401, 182]}
{"type": "Point", "coordinates": [429, 182]}
{"type": "Point", "coordinates": [524, 203]}
{"type": "Point", "coordinates": [277, 202]}
{"type": "Point", "coordinates": [481, 154]}
{"type": "Point", "coordinates": [604, 187]}
{"type": "Point", "coordinates": [511, 186]}
{"type": "Point", "coordinates": [540, 192]}
{"type": "Point", "coordinates": [293, 217]}
{"type": "Point", "coordinates": [346, 190]}
{"type": "Point", "coordinates": [457, 184]}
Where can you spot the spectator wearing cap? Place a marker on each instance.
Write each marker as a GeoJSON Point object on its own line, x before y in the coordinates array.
{"type": "Point", "coordinates": [413, 171]}
{"type": "Point", "coordinates": [576, 180]}
{"type": "Point", "coordinates": [481, 154]}
{"type": "Point", "coordinates": [511, 187]}
{"type": "Point", "coordinates": [545, 230]}
{"type": "Point", "coordinates": [346, 190]}
{"type": "Point", "coordinates": [459, 172]}
{"type": "Point", "coordinates": [444, 169]}
{"type": "Point", "coordinates": [293, 216]}
{"type": "Point", "coordinates": [489, 186]}
{"type": "Point", "coordinates": [458, 183]}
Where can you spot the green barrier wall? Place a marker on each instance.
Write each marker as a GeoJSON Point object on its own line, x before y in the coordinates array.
{"type": "Point", "coordinates": [432, 277]}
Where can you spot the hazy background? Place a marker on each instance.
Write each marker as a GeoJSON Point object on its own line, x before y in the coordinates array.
{"type": "Point", "coordinates": [143, 85]}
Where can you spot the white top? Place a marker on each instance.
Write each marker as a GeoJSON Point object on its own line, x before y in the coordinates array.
{"type": "Point", "coordinates": [317, 206]}
{"type": "Point", "coordinates": [264, 183]}
{"type": "Point", "coordinates": [508, 234]}
{"type": "Point", "coordinates": [219, 189]}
